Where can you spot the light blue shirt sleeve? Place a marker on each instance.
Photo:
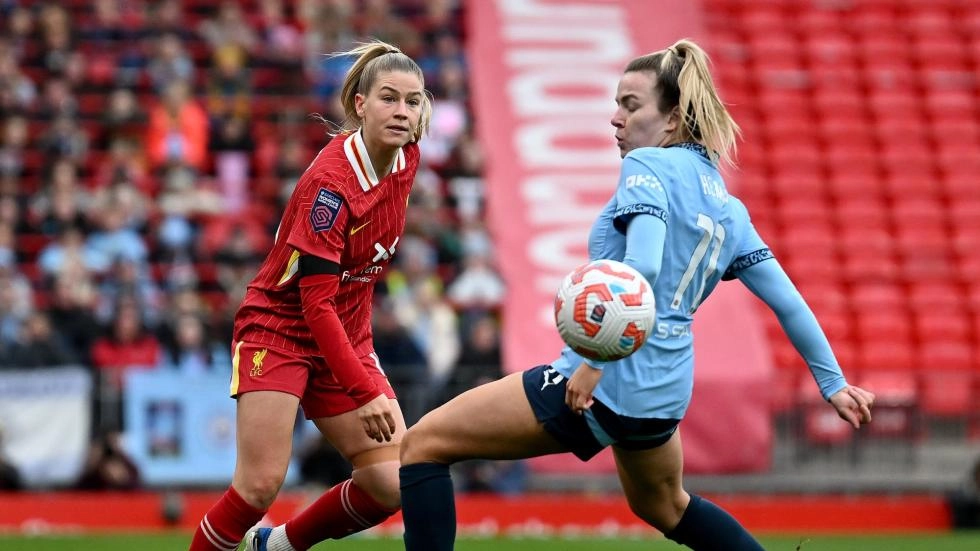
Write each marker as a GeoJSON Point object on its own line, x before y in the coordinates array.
{"type": "Point", "coordinates": [768, 281]}
{"type": "Point", "coordinates": [645, 237]}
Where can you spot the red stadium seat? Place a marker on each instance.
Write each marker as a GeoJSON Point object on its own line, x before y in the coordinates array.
{"type": "Point", "coordinates": [948, 356]}
{"type": "Point", "coordinates": [839, 102]}
{"type": "Point", "coordinates": [918, 211]}
{"type": "Point", "coordinates": [877, 296]}
{"type": "Point", "coordinates": [933, 326]}
{"type": "Point", "coordinates": [823, 296]}
{"type": "Point", "coordinates": [937, 297]}
{"type": "Point", "coordinates": [876, 242]}
{"type": "Point", "coordinates": [947, 393]}
{"type": "Point", "coordinates": [928, 266]}
{"type": "Point", "coordinates": [872, 325]}
{"type": "Point", "coordinates": [911, 238]}
{"type": "Point", "coordinates": [834, 49]}
{"type": "Point", "coordinates": [882, 355]}
{"type": "Point", "coordinates": [860, 266]}
{"type": "Point", "coordinates": [862, 212]}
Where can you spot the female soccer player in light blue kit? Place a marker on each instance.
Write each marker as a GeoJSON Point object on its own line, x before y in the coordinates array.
{"type": "Point", "coordinates": [673, 220]}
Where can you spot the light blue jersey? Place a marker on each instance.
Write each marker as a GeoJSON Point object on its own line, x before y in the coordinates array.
{"type": "Point", "coordinates": [708, 235]}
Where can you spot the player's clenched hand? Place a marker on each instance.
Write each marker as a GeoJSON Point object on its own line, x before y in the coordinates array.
{"type": "Point", "coordinates": [853, 404]}
{"type": "Point", "coordinates": [578, 391]}
{"type": "Point", "coordinates": [376, 418]}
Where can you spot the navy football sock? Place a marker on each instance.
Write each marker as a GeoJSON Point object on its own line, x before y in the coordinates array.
{"type": "Point", "coordinates": [428, 507]}
{"type": "Point", "coordinates": [706, 527]}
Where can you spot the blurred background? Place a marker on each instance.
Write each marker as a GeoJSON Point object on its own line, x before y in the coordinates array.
{"type": "Point", "coordinates": [147, 148]}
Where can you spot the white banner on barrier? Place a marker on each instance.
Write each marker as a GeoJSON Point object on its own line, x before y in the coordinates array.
{"type": "Point", "coordinates": [45, 423]}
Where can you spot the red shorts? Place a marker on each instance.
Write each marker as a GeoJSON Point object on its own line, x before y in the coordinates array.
{"type": "Point", "coordinates": [262, 367]}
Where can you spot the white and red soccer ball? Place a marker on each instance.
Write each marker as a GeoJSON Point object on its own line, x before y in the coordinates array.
{"type": "Point", "coordinates": [604, 310]}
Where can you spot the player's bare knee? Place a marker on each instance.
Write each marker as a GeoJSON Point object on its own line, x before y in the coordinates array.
{"type": "Point", "coordinates": [260, 490]}
{"type": "Point", "coordinates": [413, 446]}
{"type": "Point", "coordinates": [376, 472]}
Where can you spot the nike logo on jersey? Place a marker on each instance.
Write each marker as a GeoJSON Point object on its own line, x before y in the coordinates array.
{"type": "Point", "coordinates": [359, 228]}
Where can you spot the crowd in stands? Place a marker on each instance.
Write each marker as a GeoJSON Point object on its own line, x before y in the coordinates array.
{"type": "Point", "coordinates": [146, 149]}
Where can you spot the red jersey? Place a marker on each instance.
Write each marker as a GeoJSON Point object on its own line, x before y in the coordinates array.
{"type": "Point", "coordinates": [342, 212]}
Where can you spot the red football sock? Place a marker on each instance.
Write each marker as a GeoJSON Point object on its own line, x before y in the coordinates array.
{"type": "Point", "coordinates": [224, 526]}
{"type": "Point", "coordinates": [340, 512]}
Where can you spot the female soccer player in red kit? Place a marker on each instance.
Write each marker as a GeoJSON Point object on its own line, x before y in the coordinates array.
{"type": "Point", "coordinates": [303, 333]}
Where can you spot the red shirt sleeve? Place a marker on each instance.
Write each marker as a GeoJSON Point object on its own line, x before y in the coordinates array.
{"type": "Point", "coordinates": [317, 297]}
{"type": "Point", "coordinates": [320, 223]}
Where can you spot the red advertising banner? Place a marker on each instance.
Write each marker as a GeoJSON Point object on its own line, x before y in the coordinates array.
{"type": "Point", "coordinates": [543, 77]}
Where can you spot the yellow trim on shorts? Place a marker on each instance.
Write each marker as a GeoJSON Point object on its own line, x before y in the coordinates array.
{"type": "Point", "coordinates": [234, 368]}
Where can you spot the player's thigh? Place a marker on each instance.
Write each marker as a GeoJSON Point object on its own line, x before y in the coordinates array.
{"type": "Point", "coordinates": [345, 432]}
{"type": "Point", "coordinates": [653, 481]}
{"type": "Point", "coordinates": [491, 421]}
{"type": "Point", "coordinates": [265, 421]}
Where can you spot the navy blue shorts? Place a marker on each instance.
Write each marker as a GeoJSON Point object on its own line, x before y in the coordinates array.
{"type": "Point", "coordinates": [587, 434]}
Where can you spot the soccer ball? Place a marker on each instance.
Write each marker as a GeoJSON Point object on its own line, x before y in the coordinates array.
{"type": "Point", "coordinates": [604, 310]}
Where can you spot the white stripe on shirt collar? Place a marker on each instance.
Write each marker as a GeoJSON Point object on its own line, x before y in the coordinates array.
{"type": "Point", "coordinates": [357, 155]}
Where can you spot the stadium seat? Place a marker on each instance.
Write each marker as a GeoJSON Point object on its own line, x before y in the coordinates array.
{"type": "Point", "coordinates": [858, 265]}
{"type": "Point", "coordinates": [935, 296]}
{"type": "Point", "coordinates": [912, 238]}
{"type": "Point", "coordinates": [877, 296]}
{"type": "Point", "coordinates": [882, 324]}
{"type": "Point", "coordinates": [918, 211]}
{"type": "Point", "coordinates": [928, 266]}
{"type": "Point", "coordinates": [873, 241]}
{"type": "Point", "coordinates": [839, 102]}
{"type": "Point", "coordinates": [881, 355]}
{"type": "Point", "coordinates": [829, 48]}
{"type": "Point", "coordinates": [945, 355]}
{"type": "Point", "coordinates": [933, 326]}
{"type": "Point", "coordinates": [804, 210]}
{"type": "Point", "coordinates": [865, 212]}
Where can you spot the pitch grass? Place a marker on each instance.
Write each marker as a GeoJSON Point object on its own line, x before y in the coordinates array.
{"type": "Point", "coordinates": [959, 541]}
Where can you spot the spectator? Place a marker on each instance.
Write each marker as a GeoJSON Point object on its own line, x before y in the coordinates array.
{"type": "Point", "coordinates": [237, 261]}
{"type": "Point", "coordinates": [16, 299]}
{"type": "Point", "coordinates": [128, 346]}
{"type": "Point", "coordinates": [10, 478]}
{"type": "Point", "coordinates": [130, 280]}
{"type": "Point", "coordinates": [121, 119]}
{"type": "Point", "coordinates": [190, 351]}
{"type": "Point", "coordinates": [405, 364]}
{"type": "Point", "coordinates": [69, 256]}
{"type": "Point", "coordinates": [229, 27]}
{"type": "Point", "coordinates": [170, 64]}
{"type": "Point", "coordinates": [22, 90]}
{"type": "Point", "coordinates": [65, 140]}
{"type": "Point", "coordinates": [72, 313]}
{"type": "Point", "coordinates": [15, 140]}
{"type": "Point", "coordinates": [478, 287]}
{"type": "Point", "coordinates": [57, 100]}
{"type": "Point", "coordinates": [433, 326]}
{"type": "Point", "coordinates": [178, 130]}
{"type": "Point", "coordinates": [62, 202]}
{"type": "Point", "coordinates": [281, 42]}
{"type": "Point", "coordinates": [115, 238]}
{"type": "Point", "coordinates": [20, 30]}
{"type": "Point", "coordinates": [229, 86]}
{"type": "Point", "coordinates": [964, 503]}
{"type": "Point", "coordinates": [480, 361]}
{"type": "Point", "coordinates": [167, 17]}
{"type": "Point", "coordinates": [108, 467]}
{"type": "Point", "coordinates": [39, 345]}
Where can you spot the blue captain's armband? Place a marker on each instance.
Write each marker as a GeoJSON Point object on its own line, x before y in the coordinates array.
{"type": "Point", "coordinates": [745, 261]}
